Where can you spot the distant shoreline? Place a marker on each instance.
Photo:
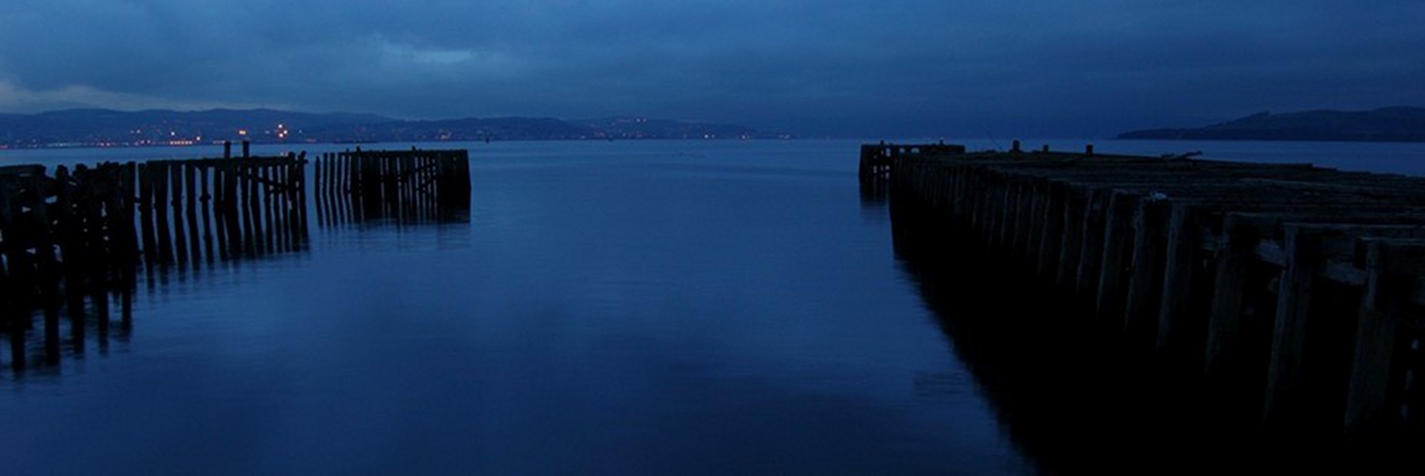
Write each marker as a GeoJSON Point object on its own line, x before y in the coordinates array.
{"type": "Point", "coordinates": [1225, 139]}
{"type": "Point", "coordinates": [109, 128]}
{"type": "Point", "coordinates": [1391, 124]}
{"type": "Point", "coordinates": [106, 145]}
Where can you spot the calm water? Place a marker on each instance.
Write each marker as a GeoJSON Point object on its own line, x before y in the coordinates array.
{"type": "Point", "coordinates": [626, 307]}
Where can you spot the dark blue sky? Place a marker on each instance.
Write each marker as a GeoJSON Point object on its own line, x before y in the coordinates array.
{"type": "Point", "coordinates": [940, 68]}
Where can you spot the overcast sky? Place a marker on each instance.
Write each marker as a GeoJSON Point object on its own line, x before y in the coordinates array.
{"type": "Point", "coordinates": [935, 67]}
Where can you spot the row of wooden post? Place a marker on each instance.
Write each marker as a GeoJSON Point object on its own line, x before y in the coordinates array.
{"type": "Point", "coordinates": [67, 238]}
{"type": "Point", "coordinates": [195, 211]}
{"type": "Point", "coordinates": [1299, 286]}
{"type": "Point", "coordinates": [403, 186]}
{"type": "Point", "coordinates": [76, 225]}
{"type": "Point", "coordinates": [73, 240]}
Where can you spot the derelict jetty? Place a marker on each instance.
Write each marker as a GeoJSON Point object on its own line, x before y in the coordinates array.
{"type": "Point", "coordinates": [1300, 287]}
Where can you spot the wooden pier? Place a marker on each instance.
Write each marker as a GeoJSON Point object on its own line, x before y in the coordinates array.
{"type": "Point", "coordinates": [1302, 289]}
{"type": "Point", "coordinates": [73, 241]}
{"type": "Point", "coordinates": [64, 239]}
{"type": "Point", "coordinates": [71, 231]}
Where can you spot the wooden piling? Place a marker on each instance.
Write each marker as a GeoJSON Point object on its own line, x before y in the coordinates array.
{"type": "Point", "coordinates": [1376, 402]}
{"type": "Point", "coordinates": [267, 207]}
{"type": "Point", "coordinates": [69, 241]}
{"type": "Point", "coordinates": [146, 215]}
{"type": "Point", "coordinates": [160, 207]}
{"type": "Point", "coordinates": [180, 234]}
{"type": "Point", "coordinates": [1144, 289]}
{"type": "Point", "coordinates": [192, 197]}
{"type": "Point", "coordinates": [206, 204]}
{"type": "Point", "coordinates": [400, 186]}
{"type": "Point", "coordinates": [1244, 273]}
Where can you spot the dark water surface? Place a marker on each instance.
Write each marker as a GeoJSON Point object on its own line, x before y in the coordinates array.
{"type": "Point", "coordinates": [626, 307]}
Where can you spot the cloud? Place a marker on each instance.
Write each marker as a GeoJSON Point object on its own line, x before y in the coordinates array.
{"type": "Point", "coordinates": [16, 99]}
{"type": "Point", "coordinates": [903, 63]}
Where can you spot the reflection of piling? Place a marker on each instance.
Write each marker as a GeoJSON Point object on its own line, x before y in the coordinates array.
{"type": "Point", "coordinates": [63, 239]}
{"type": "Point", "coordinates": [68, 241]}
{"type": "Point", "coordinates": [1298, 288]}
{"type": "Point", "coordinates": [403, 186]}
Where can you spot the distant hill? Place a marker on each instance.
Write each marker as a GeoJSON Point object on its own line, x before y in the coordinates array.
{"type": "Point", "coordinates": [1391, 124]}
{"type": "Point", "coordinates": [640, 128]}
{"type": "Point", "coordinates": [100, 127]}
{"type": "Point", "coordinates": [468, 129]}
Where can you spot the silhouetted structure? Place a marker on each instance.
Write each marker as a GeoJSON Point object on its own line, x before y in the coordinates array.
{"type": "Point", "coordinates": [1296, 287]}
{"type": "Point", "coordinates": [403, 186]}
{"type": "Point", "coordinates": [72, 231]}
{"type": "Point", "coordinates": [195, 211]}
{"type": "Point", "coordinates": [876, 159]}
{"type": "Point", "coordinates": [73, 241]}
{"type": "Point", "coordinates": [63, 238]}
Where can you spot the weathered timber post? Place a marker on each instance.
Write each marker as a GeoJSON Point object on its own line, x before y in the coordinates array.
{"type": "Point", "coordinates": [243, 172]}
{"type": "Point", "coordinates": [1071, 242]}
{"type": "Point", "coordinates": [320, 182]}
{"type": "Point", "coordinates": [255, 189]}
{"type": "Point", "coordinates": [180, 235]}
{"type": "Point", "coordinates": [145, 209]}
{"type": "Point", "coordinates": [159, 170]}
{"type": "Point", "coordinates": [302, 191]}
{"type": "Point", "coordinates": [1086, 276]}
{"type": "Point", "coordinates": [1117, 254]}
{"type": "Point", "coordinates": [269, 205]}
{"type": "Point", "coordinates": [1177, 316]}
{"type": "Point", "coordinates": [220, 204]}
{"type": "Point", "coordinates": [1371, 409]}
{"type": "Point", "coordinates": [206, 199]}
{"type": "Point", "coordinates": [190, 182]}
{"type": "Point", "coordinates": [232, 193]}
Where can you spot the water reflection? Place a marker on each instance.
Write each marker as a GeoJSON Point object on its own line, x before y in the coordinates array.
{"type": "Point", "coordinates": [66, 327]}
{"type": "Point", "coordinates": [875, 192]}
